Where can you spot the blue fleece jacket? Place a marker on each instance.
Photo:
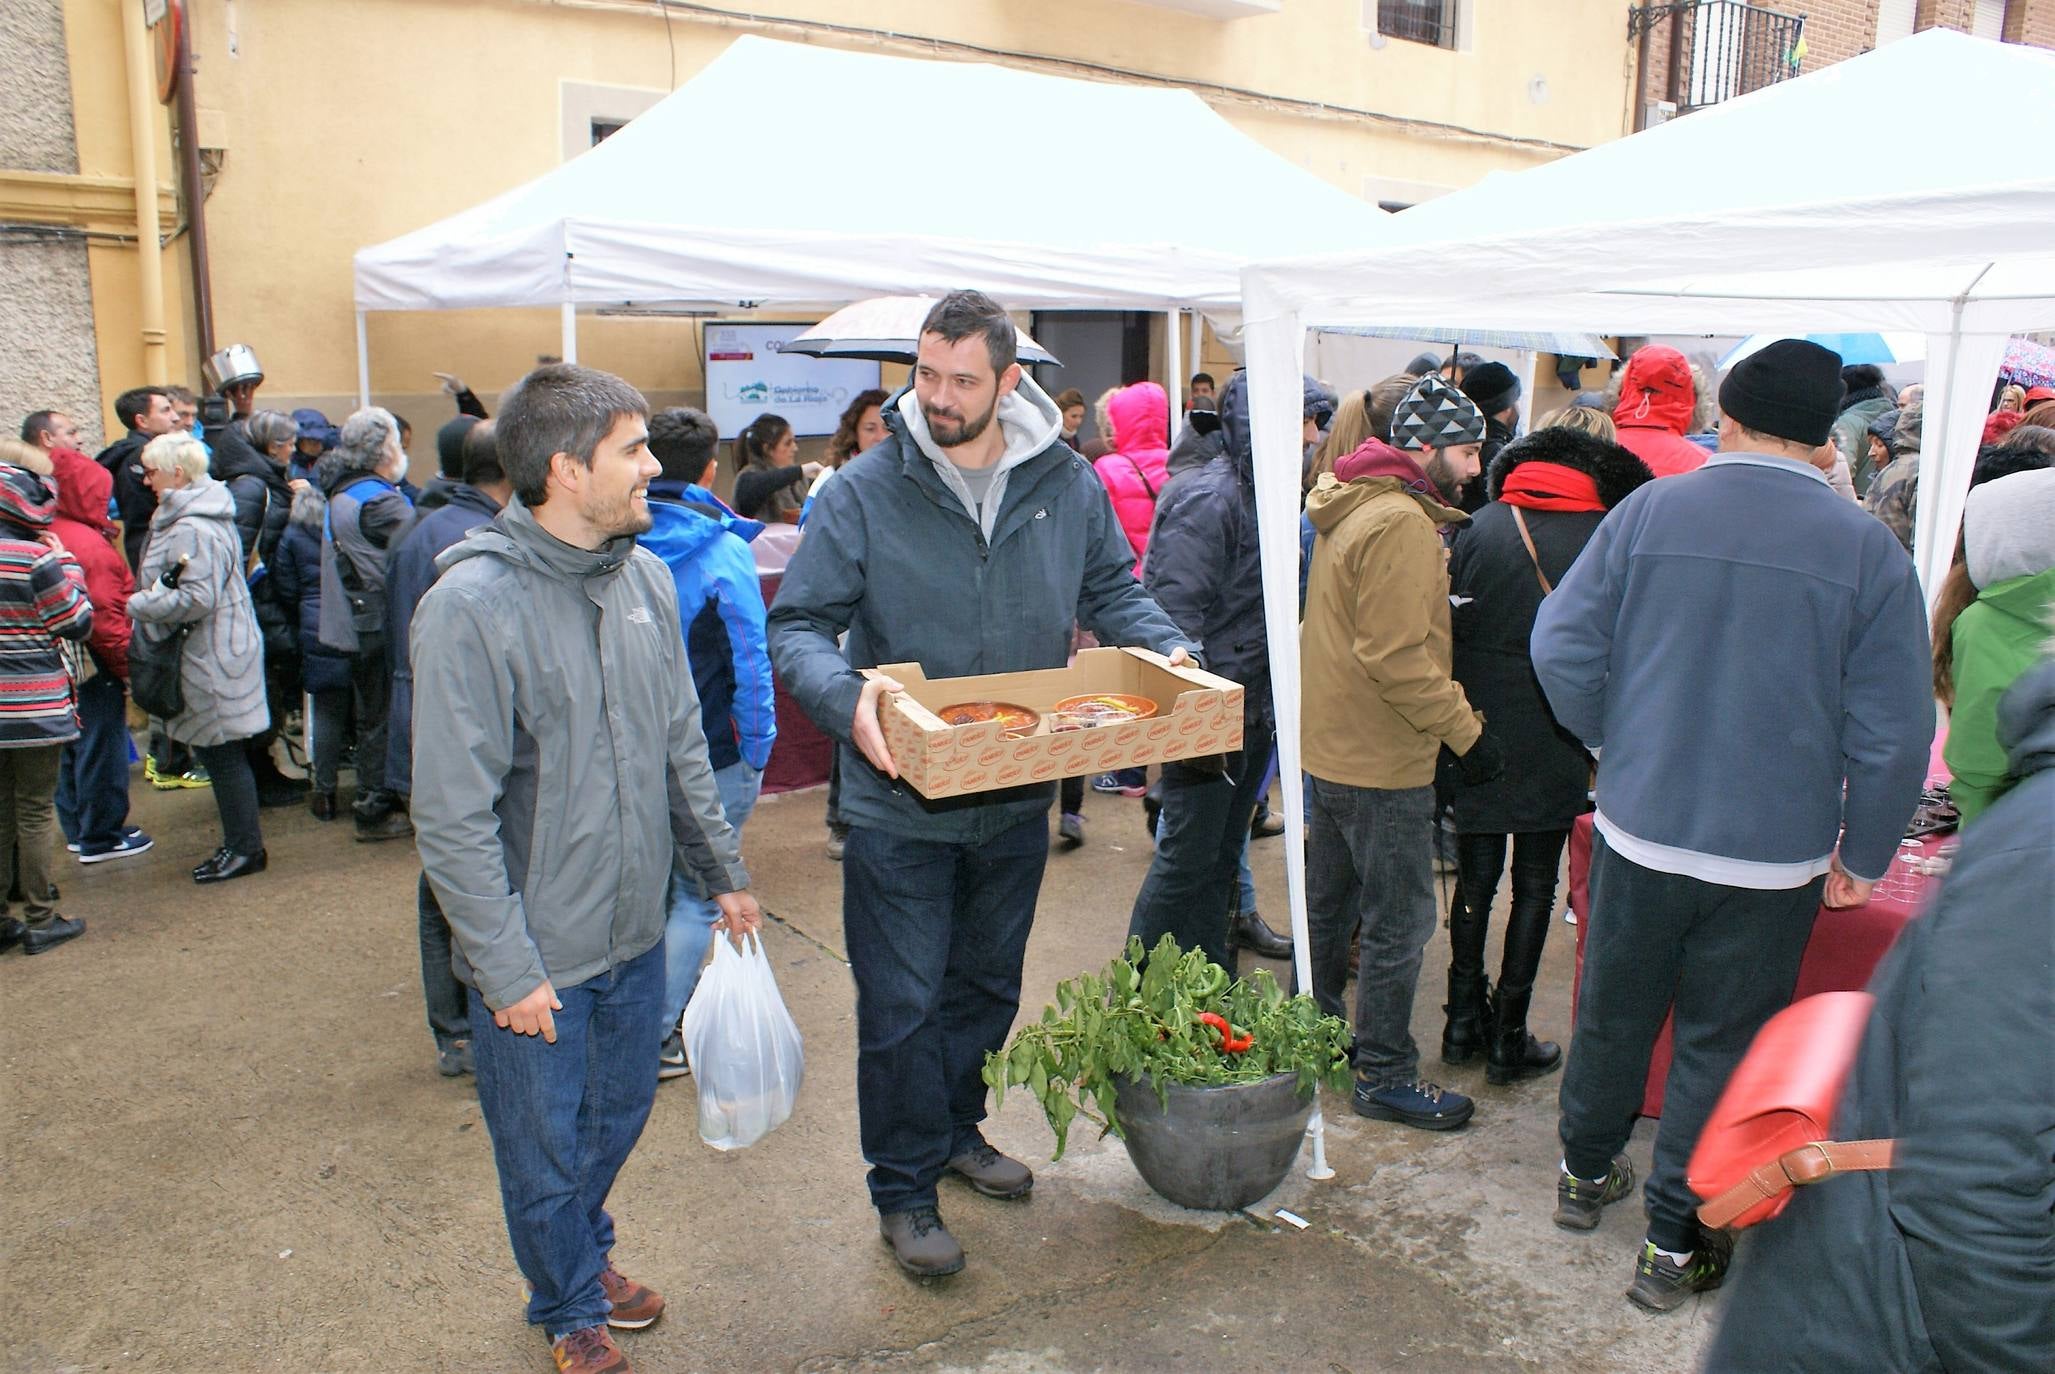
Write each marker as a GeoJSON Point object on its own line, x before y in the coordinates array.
{"type": "Point", "coordinates": [721, 604]}
{"type": "Point", "coordinates": [1743, 642]}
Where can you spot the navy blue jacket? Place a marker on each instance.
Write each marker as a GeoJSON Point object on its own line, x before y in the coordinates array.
{"type": "Point", "coordinates": [720, 601]}
{"type": "Point", "coordinates": [1742, 640]}
{"type": "Point", "coordinates": [295, 576]}
{"type": "Point", "coordinates": [409, 574]}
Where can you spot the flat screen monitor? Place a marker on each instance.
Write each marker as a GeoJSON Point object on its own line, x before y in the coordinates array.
{"type": "Point", "coordinates": [747, 375]}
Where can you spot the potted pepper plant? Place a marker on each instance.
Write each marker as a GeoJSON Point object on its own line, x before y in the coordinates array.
{"type": "Point", "coordinates": [1208, 1081]}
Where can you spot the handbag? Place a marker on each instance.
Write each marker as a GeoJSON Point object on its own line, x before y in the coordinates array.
{"type": "Point", "coordinates": [156, 672]}
{"type": "Point", "coordinates": [1768, 1133]}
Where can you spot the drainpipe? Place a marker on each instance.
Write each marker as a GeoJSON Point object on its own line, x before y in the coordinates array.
{"type": "Point", "coordinates": [195, 193]}
{"type": "Point", "coordinates": [142, 131]}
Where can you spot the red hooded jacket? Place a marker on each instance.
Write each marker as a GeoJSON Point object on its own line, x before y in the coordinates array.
{"type": "Point", "coordinates": [1656, 400]}
{"type": "Point", "coordinates": [81, 522]}
{"type": "Point", "coordinates": [1140, 462]}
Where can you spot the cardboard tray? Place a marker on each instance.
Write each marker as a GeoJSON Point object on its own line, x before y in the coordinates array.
{"type": "Point", "coordinates": [1197, 714]}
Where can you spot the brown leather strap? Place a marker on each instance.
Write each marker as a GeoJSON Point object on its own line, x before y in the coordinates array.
{"type": "Point", "coordinates": [1807, 1164]}
{"type": "Point", "coordinates": [1528, 539]}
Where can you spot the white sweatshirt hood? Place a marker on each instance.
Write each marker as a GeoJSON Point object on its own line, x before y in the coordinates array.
{"type": "Point", "coordinates": [1027, 417]}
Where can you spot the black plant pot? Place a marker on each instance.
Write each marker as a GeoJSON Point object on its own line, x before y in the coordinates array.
{"type": "Point", "coordinates": [1214, 1148]}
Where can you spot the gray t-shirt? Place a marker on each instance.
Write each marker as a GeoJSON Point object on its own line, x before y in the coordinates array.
{"type": "Point", "coordinates": [979, 480]}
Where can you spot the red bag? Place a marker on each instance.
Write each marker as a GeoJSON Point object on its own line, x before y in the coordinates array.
{"type": "Point", "coordinates": [1768, 1133]}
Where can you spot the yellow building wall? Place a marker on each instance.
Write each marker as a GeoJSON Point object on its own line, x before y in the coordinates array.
{"type": "Point", "coordinates": [347, 124]}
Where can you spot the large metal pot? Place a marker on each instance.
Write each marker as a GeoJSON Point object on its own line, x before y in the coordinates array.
{"type": "Point", "coordinates": [1214, 1148]}
{"type": "Point", "coordinates": [232, 365]}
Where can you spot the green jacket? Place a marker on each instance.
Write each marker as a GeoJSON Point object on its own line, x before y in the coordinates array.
{"type": "Point", "coordinates": [1998, 637]}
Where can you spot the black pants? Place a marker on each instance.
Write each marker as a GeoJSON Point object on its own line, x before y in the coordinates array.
{"type": "Point", "coordinates": [1071, 796]}
{"type": "Point", "coordinates": [1728, 956]}
{"type": "Point", "coordinates": [371, 686]}
{"type": "Point", "coordinates": [235, 794]}
{"type": "Point", "coordinates": [1480, 860]}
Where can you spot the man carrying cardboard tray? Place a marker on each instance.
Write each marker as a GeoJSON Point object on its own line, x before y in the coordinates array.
{"type": "Point", "coordinates": [969, 541]}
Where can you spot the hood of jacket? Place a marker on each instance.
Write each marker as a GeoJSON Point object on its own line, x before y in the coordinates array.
{"type": "Point", "coordinates": [1656, 391]}
{"type": "Point", "coordinates": [1332, 500]}
{"type": "Point", "coordinates": [1375, 458]}
{"type": "Point", "coordinates": [665, 491]}
{"type": "Point", "coordinates": [514, 537]}
{"type": "Point", "coordinates": [1027, 418]}
{"type": "Point", "coordinates": [1616, 471]}
{"type": "Point", "coordinates": [1236, 435]}
{"type": "Point", "coordinates": [235, 456]}
{"type": "Point", "coordinates": [1141, 418]}
{"type": "Point", "coordinates": [678, 531]}
{"type": "Point", "coordinates": [2026, 720]}
{"type": "Point", "coordinates": [334, 470]}
{"type": "Point", "coordinates": [83, 487]}
{"type": "Point", "coordinates": [2008, 527]}
{"type": "Point", "coordinates": [205, 499]}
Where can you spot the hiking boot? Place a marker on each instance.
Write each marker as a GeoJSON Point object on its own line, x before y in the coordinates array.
{"type": "Point", "coordinates": [670, 1060]}
{"type": "Point", "coordinates": [1580, 1200]}
{"type": "Point", "coordinates": [590, 1350]}
{"type": "Point", "coordinates": [393, 825]}
{"type": "Point", "coordinates": [920, 1243]}
{"type": "Point", "coordinates": [634, 1306]}
{"type": "Point", "coordinates": [133, 841]}
{"type": "Point", "coordinates": [991, 1173]}
{"type": "Point", "coordinates": [1267, 823]}
{"type": "Point", "coordinates": [1249, 930]}
{"type": "Point", "coordinates": [1070, 830]}
{"type": "Point", "coordinates": [453, 1058]}
{"type": "Point", "coordinates": [1425, 1105]}
{"type": "Point", "coordinates": [38, 937]}
{"type": "Point", "coordinates": [11, 932]}
{"type": "Point", "coordinates": [1660, 1286]}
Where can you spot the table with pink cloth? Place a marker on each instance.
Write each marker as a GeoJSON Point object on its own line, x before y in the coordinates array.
{"type": "Point", "coordinates": [1847, 943]}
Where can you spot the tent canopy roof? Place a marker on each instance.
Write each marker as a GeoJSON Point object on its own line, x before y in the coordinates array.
{"type": "Point", "coordinates": [1920, 163]}
{"type": "Point", "coordinates": [792, 174]}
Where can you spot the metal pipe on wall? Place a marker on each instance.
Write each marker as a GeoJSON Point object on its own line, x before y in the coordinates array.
{"type": "Point", "coordinates": [195, 191]}
{"type": "Point", "coordinates": [142, 132]}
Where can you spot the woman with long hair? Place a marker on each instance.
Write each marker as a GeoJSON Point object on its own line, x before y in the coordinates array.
{"type": "Point", "coordinates": [768, 476]}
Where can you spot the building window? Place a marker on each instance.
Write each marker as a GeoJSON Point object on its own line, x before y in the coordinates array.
{"type": "Point", "coordinates": [1418, 21]}
{"type": "Point", "coordinates": [604, 129]}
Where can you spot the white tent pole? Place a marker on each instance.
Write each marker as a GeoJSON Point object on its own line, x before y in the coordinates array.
{"type": "Point", "coordinates": [570, 347]}
{"type": "Point", "coordinates": [1195, 349]}
{"type": "Point", "coordinates": [1173, 363]}
{"type": "Point", "coordinates": [1275, 340]}
{"type": "Point", "coordinates": [1951, 422]}
{"type": "Point", "coordinates": [363, 364]}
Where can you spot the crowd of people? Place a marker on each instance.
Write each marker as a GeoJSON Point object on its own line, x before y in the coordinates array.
{"type": "Point", "coordinates": [1686, 607]}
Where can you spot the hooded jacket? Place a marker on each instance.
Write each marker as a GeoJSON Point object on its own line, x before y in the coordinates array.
{"type": "Point", "coordinates": [133, 499]}
{"type": "Point", "coordinates": [895, 555]}
{"type": "Point", "coordinates": [2008, 532]}
{"type": "Point", "coordinates": [367, 517]}
{"type": "Point", "coordinates": [1203, 567]}
{"type": "Point", "coordinates": [1851, 438]}
{"type": "Point", "coordinates": [1657, 397]}
{"type": "Point", "coordinates": [1139, 465]}
{"type": "Point", "coordinates": [42, 599]}
{"type": "Point", "coordinates": [295, 578]}
{"type": "Point", "coordinates": [1945, 1262]}
{"type": "Point", "coordinates": [263, 496]}
{"type": "Point", "coordinates": [223, 664]}
{"type": "Point", "coordinates": [559, 765]}
{"type": "Point", "coordinates": [1374, 648]}
{"type": "Point", "coordinates": [409, 575]}
{"type": "Point", "coordinates": [1495, 597]}
{"type": "Point", "coordinates": [706, 547]}
{"type": "Point", "coordinates": [81, 522]}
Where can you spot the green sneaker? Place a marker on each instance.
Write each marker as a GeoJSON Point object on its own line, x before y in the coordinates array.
{"type": "Point", "coordinates": [1660, 1285]}
{"type": "Point", "coordinates": [1579, 1200]}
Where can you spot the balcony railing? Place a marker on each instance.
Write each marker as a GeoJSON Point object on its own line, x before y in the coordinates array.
{"type": "Point", "coordinates": [1706, 51]}
{"type": "Point", "coordinates": [1418, 21]}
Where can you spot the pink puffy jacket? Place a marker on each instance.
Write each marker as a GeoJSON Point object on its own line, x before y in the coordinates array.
{"type": "Point", "coordinates": [1134, 473]}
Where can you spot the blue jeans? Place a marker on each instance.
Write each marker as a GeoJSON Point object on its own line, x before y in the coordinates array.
{"type": "Point", "coordinates": [92, 779]}
{"type": "Point", "coordinates": [936, 933]}
{"type": "Point", "coordinates": [449, 1007]}
{"type": "Point", "coordinates": [1201, 838]}
{"type": "Point", "coordinates": [1369, 862]}
{"type": "Point", "coordinates": [689, 926]}
{"type": "Point", "coordinates": [563, 1118]}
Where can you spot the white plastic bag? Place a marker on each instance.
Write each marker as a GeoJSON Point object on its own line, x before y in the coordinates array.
{"type": "Point", "coordinates": [744, 1047]}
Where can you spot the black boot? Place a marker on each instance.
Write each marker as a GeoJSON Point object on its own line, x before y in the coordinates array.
{"type": "Point", "coordinates": [1513, 1053]}
{"type": "Point", "coordinates": [1462, 1039]}
{"type": "Point", "coordinates": [1253, 933]}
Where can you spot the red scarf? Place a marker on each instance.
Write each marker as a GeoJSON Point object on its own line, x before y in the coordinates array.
{"type": "Point", "coordinates": [1551, 486]}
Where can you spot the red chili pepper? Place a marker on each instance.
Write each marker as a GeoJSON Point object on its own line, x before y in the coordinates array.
{"type": "Point", "coordinates": [1230, 1043]}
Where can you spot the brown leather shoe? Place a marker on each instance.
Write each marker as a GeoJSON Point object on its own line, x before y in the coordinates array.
{"type": "Point", "coordinates": [634, 1306]}
{"type": "Point", "coordinates": [589, 1350]}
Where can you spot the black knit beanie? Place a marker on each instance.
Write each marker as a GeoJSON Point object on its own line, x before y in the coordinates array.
{"type": "Point", "coordinates": [1492, 386]}
{"type": "Point", "coordinates": [1791, 390]}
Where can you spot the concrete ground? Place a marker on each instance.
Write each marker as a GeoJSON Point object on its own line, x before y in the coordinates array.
{"type": "Point", "coordinates": [226, 1148]}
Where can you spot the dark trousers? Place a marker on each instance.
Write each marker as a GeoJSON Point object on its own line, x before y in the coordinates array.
{"type": "Point", "coordinates": [28, 826]}
{"type": "Point", "coordinates": [371, 693]}
{"type": "Point", "coordinates": [1071, 796]}
{"type": "Point", "coordinates": [1480, 860]}
{"type": "Point", "coordinates": [235, 794]}
{"type": "Point", "coordinates": [1191, 887]}
{"type": "Point", "coordinates": [449, 1010]}
{"type": "Point", "coordinates": [936, 933]}
{"type": "Point", "coordinates": [1728, 956]}
{"type": "Point", "coordinates": [92, 778]}
{"type": "Point", "coordinates": [563, 1120]}
{"type": "Point", "coordinates": [329, 714]}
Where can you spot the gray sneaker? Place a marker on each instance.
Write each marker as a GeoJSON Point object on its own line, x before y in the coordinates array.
{"type": "Point", "coordinates": [1580, 1200]}
{"type": "Point", "coordinates": [920, 1242]}
{"type": "Point", "coordinates": [991, 1173]}
{"type": "Point", "coordinates": [453, 1058]}
{"type": "Point", "coordinates": [670, 1060]}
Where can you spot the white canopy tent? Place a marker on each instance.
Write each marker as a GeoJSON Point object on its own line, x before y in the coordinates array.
{"type": "Point", "coordinates": [885, 176]}
{"type": "Point", "coordinates": [1747, 216]}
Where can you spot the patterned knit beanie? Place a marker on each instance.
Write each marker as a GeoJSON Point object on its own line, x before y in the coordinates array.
{"type": "Point", "coordinates": [1435, 414]}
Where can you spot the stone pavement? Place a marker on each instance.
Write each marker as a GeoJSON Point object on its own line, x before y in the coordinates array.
{"type": "Point", "coordinates": [226, 1148]}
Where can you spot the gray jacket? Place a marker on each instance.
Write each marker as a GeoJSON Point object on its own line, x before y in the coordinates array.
{"type": "Point", "coordinates": [223, 664]}
{"type": "Point", "coordinates": [367, 517]}
{"type": "Point", "coordinates": [553, 786]}
{"type": "Point", "coordinates": [893, 555]}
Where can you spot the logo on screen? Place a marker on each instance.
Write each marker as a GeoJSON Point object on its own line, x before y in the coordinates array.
{"type": "Point", "coordinates": [754, 392]}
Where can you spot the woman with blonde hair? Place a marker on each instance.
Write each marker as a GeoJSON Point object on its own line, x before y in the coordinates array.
{"type": "Point", "coordinates": [1583, 419]}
